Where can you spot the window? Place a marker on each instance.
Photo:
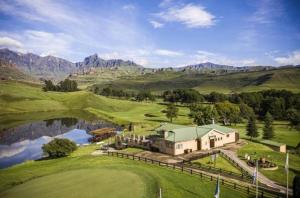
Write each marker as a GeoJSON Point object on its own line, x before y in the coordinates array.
{"type": "Point", "coordinates": [227, 135]}
{"type": "Point", "coordinates": [179, 146]}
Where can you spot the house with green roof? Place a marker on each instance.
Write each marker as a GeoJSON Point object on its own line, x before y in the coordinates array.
{"type": "Point", "coordinates": [179, 139]}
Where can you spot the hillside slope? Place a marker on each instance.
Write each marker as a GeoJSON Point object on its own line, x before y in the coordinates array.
{"type": "Point", "coordinates": [16, 97]}
{"type": "Point", "coordinates": [283, 78]}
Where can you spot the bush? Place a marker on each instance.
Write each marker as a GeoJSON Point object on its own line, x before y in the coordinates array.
{"type": "Point", "coordinates": [59, 148]}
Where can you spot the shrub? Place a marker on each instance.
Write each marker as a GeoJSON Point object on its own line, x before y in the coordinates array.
{"type": "Point", "coordinates": [59, 148]}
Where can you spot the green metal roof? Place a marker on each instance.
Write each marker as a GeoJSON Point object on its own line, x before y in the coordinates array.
{"type": "Point", "coordinates": [179, 133]}
{"type": "Point", "coordinates": [169, 127]}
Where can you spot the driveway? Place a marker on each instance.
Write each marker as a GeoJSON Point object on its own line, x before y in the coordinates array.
{"type": "Point", "coordinates": [261, 178]}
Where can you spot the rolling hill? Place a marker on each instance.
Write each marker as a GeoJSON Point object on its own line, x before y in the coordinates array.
{"type": "Point", "coordinates": [281, 78]}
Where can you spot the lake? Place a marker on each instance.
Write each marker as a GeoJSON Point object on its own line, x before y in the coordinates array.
{"type": "Point", "coordinates": [24, 142]}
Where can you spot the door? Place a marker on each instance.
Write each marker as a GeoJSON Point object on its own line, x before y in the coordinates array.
{"type": "Point", "coordinates": [198, 144]}
{"type": "Point", "coordinates": [212, 143]}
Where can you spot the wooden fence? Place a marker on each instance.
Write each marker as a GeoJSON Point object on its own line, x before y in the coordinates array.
{"type": "Point", "coordinates": [247, 189]}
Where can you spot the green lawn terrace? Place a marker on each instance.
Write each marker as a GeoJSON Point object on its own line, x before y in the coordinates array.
{"type": "Point", "coordinates": [257, 150]}
{"type": "Point", "coordinates": [83, 175]}
{"type": "Point", "coordinates": [220, 163]}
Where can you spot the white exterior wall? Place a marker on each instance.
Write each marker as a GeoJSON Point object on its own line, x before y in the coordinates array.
{"type": "Point", "coordinates": [220, 139]}
{"type": "Point", "coordinates": [191, 144]}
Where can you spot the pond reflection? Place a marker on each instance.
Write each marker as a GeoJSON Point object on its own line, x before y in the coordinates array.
{"type": "Point", "coordinates": [24, 142]}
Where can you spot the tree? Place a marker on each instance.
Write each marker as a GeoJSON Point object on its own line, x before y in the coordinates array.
{"type": "Point", "coordinates": [145, 95]}
{"type": "Point", "coordinates": [268, 128]}
{"type": "Point", "coordinates": [49, 86]}
{"type": "Point", "coordinates": [293, 115]}
{"type": "Point", "coordinates": [59, 147]}
{"type": "Point", "coordinates": [246, 111]}
{"type": "Point", "coordinates": [230, 113]}
{"type": "Point", "coordinates": [252, 128]}
{"type": "Point", "coordinates": [171, 111]}
{"type": "Point", "coordinates": [203, 114]}
{"type": "Point", "coordinates": [216, 97]}
{"type": "Point", "coordinates": [184, 96]}
{"type": "Point", "coordinates": [64, 86]}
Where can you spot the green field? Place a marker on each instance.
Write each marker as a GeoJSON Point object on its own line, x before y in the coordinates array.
{"type": "Point", "coordinates": [283, 132]}
{"type": "Point", "coordinates": [257, 150]}
{"type": "Point", "coordinates": [284, 78]}
{"type": "Point", "coordinates": [220, 163]}
{"type": "Point", "coordinates": [83, 175]}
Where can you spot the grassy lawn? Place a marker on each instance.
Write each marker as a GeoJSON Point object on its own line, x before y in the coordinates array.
{"type": "Point", "coordinates": [85, 183]}
{"type": "Point", "coordinates": [259, 150]}
{"type": "Point", "coordinates": [283, 133]}
{"type": "Point", "coordinates": [83, 175]}
{"type": "Point", "coordinates": [220, 163]}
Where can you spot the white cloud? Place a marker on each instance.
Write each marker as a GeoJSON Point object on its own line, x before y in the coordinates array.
{"type": "Point", "coordinates": [266, 11]}
{"type": "Point", "coordinates": [165, 3]}
{"type": "Point", "coordinates": [291, 59]}
{"type": "Point", "coordinates": [128, 7]}
{"type": "Point", "coordinates": [108, 30]}
{"type": "Point", "coordinates": [164, 52]}
{"type": "Point", "coordinates": [6, 42]}
{"type": "Point", "coordinates": [192, 16]}
{"type": "Point", "coordinates": [156, 24]}
{"type": "Point", "coordinates": [40, 42]}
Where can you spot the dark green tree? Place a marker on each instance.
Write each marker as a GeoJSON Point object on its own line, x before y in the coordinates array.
{"type": "Point", "coordinates": [203, 114]}
{"type": "Point", "coordinates": [293, 115]}
{"type": "Point", "coordinates": [246, 111]}
{"type": "Point", "coordinates": [171, 111]}
{"type": "Point", "coordinates": [252, 128]}
{"type": "Point", "coordinates": [268, 131]}
{"type": "Point", "coordinates": [59, 148]}
{"type": "Point", "coordinates": [229, 112]}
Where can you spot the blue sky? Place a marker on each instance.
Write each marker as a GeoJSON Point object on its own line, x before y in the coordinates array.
{"type": "Point", "coordinates": [156, 33]}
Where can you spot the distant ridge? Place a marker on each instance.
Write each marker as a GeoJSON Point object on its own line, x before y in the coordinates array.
{"type": "Point", "coordinates": [51, 67]}
{"type": "Point", "coordinates": [95, 61]}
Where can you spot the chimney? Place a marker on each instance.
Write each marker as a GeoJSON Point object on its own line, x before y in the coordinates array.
{"type": "Point", "coordinates": [213, 121]}
{"type": "Point", "coordinates": [166, 134]}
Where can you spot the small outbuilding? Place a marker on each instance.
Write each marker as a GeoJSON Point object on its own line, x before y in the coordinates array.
{"type": "Point", "coordinates": [276, 146]}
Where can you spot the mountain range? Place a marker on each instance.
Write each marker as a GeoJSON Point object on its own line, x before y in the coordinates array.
{"type": "Point", "coordinates": [51, 67]}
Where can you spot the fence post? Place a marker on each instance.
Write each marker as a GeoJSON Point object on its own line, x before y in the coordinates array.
{"type": "Point", "coordinates": [211, 178]}
{"type": "Point", "coordinates": [139, 158]}
{"type": "Point", "coordinates": [234, 185]}
{"type": "Point", "coordinates": [201, 175]}
{"type": "Point", "coordinates": [191, 171]}
{"type": "Point", "coordinates": [262, 194]}
{"type": "Point", "coordinates": [182, 168]}
{"type": "Point", "coordinates": [152, 161]}
{"type": "Point", "coordinates": [173, 166]}
{"type": "Point", "coordinates": [159, 163]}
{"type": "Point", "coordinates": [248, 190]}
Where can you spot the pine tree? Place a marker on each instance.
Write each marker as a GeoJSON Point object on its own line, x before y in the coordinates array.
{"type": "Point", "coordinates": [251, 127]}
{"type": "Point", "coordinates": [171, 111]}
{"type": "Point", "coordinates": [268, 128]}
